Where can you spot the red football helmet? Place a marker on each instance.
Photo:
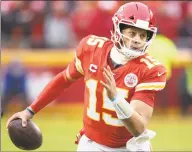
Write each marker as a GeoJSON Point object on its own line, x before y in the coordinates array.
{"type": "Point", "coordinates": [133, 14]}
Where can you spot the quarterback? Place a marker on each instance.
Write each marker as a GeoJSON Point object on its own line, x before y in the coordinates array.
{"type": "Point", "coordinates": [121, 81]}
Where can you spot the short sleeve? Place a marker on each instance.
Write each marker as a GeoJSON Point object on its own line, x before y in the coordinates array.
{"type": "Point", "coordinates": [75, 70]}
{"type": "Point", "coordinates": [80, 49]}
{"type": "Point", "coordinates": [147, 97]}
{"type": "Point", "coordinates": [154, 79]}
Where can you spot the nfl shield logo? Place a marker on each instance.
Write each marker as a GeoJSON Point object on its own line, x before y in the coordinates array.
{"type": "Point", "coordinates": [130, 80]}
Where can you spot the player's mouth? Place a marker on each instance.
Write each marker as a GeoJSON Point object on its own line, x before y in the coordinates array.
{"type": "Point", "coordinates": [135, 48]}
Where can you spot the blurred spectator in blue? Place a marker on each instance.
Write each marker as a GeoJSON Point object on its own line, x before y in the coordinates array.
{"type": "Point", "coordinates": [14, 84]}
{"type": "Point", "coordinates": [58, 29]}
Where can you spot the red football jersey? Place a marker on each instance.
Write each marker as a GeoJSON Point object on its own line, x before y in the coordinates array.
{"type": "Point", "coordinates": [138, 79]}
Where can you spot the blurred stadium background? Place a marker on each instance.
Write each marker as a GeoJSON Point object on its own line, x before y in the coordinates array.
{"type": "Point", "coordinates": [38, 40]}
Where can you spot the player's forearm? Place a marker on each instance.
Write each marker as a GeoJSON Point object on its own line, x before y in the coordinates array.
{"type": "Point", "coordinates": [133, 121]}
{"type": "Point", "coordinates": [51, 91]}
{"type": "Point", "coordinates": [135, 124]}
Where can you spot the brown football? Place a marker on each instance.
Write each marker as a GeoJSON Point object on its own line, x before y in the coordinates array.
{"type": "Point", "coordinates": [25, 138]}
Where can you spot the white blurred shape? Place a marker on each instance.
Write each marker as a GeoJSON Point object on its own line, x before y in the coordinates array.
{"type": "Point", "coordinates": [36, 82]}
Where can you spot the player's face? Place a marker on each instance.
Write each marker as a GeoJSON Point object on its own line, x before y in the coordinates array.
{"type": "Point", "coordinates": [134, 38]}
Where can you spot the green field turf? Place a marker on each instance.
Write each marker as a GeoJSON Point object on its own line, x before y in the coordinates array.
{"type": "Point", "coordinates": [60, 126]}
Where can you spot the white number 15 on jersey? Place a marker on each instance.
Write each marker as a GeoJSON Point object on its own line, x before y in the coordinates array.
{"type": "Point", "coordinates": [91, 109]}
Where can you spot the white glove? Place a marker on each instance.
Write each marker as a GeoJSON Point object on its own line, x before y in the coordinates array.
{"type": "Point", "coordinates": [139, 143]}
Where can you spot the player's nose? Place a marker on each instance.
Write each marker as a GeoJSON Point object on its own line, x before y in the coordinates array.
{"type": "Point", "coordinates": [137, 39]}
{"type": "Point", "coordinates": [136, 42]}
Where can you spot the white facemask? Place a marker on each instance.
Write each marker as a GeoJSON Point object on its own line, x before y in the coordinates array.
{"type": "Point", "coordinates": [118, 57]}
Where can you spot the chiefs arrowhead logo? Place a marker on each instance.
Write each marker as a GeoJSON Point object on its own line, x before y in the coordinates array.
{"type": "Point", "coordinates": [130, 80]}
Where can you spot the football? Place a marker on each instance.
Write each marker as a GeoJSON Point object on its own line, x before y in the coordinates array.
{"type": "Point", "coordinates": [25, 138]}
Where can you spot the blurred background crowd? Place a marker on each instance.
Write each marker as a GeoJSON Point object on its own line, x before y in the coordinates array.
{"type": "Point", "coordinates": [46, 26]}
{"type": "Point", "coordinates": [61, 24]}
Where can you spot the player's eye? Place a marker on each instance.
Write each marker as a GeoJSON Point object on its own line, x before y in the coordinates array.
{"type": "Point", "coordinates": [143, 36]}
{"type": "Point", "coordinates": [131, 34]}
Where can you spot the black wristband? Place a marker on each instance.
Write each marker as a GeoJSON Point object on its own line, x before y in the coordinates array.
{"type": "Point", "coordinates": [30, 111]}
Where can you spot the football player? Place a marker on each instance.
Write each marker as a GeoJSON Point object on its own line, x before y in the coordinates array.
{"type": "Point", "coordinates": [121, 81]}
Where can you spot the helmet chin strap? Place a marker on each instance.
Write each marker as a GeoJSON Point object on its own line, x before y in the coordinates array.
{"type": "Point", "coordinates": [118, 57]}
{"type": "Point", "coordinates": [131, 54]}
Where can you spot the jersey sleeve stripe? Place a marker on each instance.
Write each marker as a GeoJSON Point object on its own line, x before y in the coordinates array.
{"type": "Point", "coordinates": [78, 65]}
{"type": "Point", "coordinates": [150, 86]}
{"type": "Point", "coordinates": [68, 76]}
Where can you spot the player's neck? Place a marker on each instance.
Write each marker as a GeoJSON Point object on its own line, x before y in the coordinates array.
{"type": "Point", "coordinates": [117, 57]}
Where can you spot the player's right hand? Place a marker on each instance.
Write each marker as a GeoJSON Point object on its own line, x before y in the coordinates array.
{"type": "Point", "coordinates": [23, 115]}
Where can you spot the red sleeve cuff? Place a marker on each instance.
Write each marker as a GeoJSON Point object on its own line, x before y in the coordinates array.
{"type": "Point", "coordinates": [147, 97]}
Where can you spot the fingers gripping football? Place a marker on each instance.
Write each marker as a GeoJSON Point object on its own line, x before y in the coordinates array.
{"type": "Point", "coordinates": [23, 115]}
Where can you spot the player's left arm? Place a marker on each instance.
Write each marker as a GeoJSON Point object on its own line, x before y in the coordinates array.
{"type": "Point", "coordinates": [137, 122]}
{"type": "Point", "coordinates": [137, 114]}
